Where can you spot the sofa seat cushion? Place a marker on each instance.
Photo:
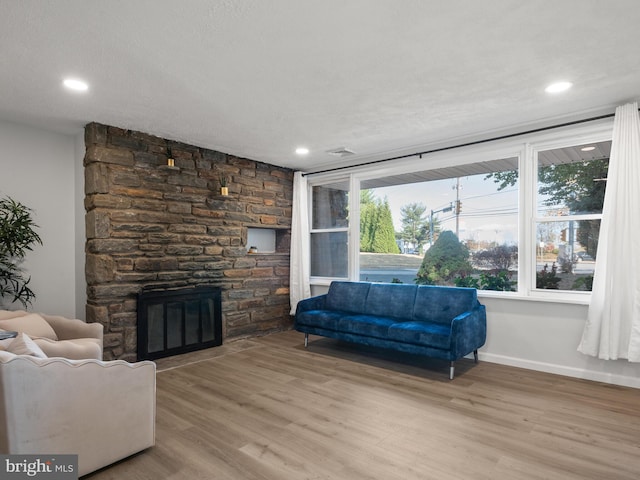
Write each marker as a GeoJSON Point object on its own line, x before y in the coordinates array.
{"type": "Point", "coordinates": [367, 325]}
{"type": "Point", "coordinates": [327, 319]}
{"type": "Point", "coordinates": [429, 334]}
{"type": "Point", "coordinates": [76, 349]}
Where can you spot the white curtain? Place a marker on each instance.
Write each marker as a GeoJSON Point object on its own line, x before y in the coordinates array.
{"type": "Point", "coordinates": [612, 330]}
{"type": "Point", "coordinates": [300, 258]}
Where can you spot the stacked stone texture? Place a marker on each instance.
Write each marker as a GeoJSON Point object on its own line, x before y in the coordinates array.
{"type": "Point", "coordinates": [152, 226]}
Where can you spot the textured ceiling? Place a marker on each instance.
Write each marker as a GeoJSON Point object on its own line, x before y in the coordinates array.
{"type": "Point", "coordinates": [258, 78]}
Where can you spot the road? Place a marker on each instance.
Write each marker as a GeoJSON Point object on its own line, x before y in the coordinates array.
{"type": "Point", "coordinates": [579, 268]}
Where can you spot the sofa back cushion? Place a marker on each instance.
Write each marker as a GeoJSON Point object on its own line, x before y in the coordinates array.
{"type": "Point", "coordinates": [347, 296]}
{"type": "Point", "coordinates": [391, 300]}
{"type": "Point", "coordinates": [32, 324]}
{"type": "Point", "coordinates": [4, 314]}
{"type": "Point", "coordinates": [443, 304]}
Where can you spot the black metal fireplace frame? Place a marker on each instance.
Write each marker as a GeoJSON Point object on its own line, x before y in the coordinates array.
{"type": "Point", "coordinates": [200, 294]}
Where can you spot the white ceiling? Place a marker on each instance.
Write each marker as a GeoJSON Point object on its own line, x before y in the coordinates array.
{"type": "Point", "coordinates": [257, 78]}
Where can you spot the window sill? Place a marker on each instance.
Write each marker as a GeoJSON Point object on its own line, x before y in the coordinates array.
{"type": "Point", "coordinates": [565, 298]}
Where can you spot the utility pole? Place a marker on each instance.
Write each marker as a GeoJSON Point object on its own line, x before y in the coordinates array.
{"type": "Point", "coordinates": [431, 230]}
{"type": "Point", "coordinates": [457, 187]}
{"type": "Point", "coordinates": [445, 209]}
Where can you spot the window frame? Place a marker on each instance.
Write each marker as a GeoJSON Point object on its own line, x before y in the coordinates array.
{"type": "Point", "coordinates": [328, 180]}
{"type": "Point", "coordinates": [568, 296]}
{"type": "Point", "coordinates": [524, 147]}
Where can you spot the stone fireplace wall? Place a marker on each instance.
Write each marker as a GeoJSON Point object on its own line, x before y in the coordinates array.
{"type": "Point", "coordinates": [150, 225]}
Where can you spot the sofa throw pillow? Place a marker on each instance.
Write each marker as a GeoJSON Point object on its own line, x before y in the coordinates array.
{"type": "Point", "coordinates": [31, 324]}
{"type": "Point", "coordinates": [23, 345]}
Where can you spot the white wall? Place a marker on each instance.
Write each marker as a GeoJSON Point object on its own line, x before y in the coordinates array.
{"type": "Point", "coordinates": [80, 235]}
{"type": "Point", "coordinates": [544, 336]}
{"type": "Point", "coordinates": [38, 169]}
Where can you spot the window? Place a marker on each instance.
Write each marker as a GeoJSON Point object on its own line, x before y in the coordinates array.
{"type": "Point", "coordinates": [520, 217]}
{"type": "Point", "coordinates": [571, 183]}
{"type": "Point", "coordinates": [329, 231]}
{"type": "Point", "coordinates": [446, 226]}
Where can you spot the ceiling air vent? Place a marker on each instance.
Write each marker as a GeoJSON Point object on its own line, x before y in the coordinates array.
{"type": "Point", "coordinates": [340, 152]}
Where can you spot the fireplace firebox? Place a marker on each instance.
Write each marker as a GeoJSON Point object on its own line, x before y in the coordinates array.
{"type": "Point", "coordinates": [171, 322]}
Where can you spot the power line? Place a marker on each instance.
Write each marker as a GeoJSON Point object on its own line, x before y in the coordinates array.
{"type": "Point", "coordinates": [490, 194]}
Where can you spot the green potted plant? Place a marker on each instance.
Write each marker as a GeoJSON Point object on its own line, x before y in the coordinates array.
{"type": "Point", "coordinates": [224, 189]}
{"type": "Point", "coordinates": [17, 236]}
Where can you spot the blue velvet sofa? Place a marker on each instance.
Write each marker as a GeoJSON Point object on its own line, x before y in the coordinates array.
{"type": "Point", "coordinates": [441, 322]}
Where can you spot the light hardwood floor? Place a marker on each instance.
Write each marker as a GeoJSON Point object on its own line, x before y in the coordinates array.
{"type": "Point", "coordinates": [267, 409]}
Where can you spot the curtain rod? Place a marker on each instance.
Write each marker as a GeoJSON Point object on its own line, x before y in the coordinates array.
{"type": "Point", "coordinates": [468, 144]}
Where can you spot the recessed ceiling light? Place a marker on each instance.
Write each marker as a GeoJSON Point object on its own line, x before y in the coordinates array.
{"type": "Point", "coordinates": [558, 87]}
{"type": "Point", "coordinates": [75, 84]}
{"type": "Point", "coordinates": [588, 149]}
{"type": "Point", "coordinates": [302, 150]}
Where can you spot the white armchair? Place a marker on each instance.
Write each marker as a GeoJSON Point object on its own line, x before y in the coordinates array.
{"type": "Point", "coordinates": [101, 411]}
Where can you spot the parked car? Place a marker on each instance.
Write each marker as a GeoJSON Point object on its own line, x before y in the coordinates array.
{"type": "Point", "coordinates": [582, 256]}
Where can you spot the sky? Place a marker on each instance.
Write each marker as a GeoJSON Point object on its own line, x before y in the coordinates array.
{"type": "Point", "coordinates": [486, 213]}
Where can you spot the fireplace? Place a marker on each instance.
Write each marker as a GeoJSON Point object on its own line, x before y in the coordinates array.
{"type": "Point", "coordinates": [171, 322]}
{"type": "Point", "coordinates": [149, 225]}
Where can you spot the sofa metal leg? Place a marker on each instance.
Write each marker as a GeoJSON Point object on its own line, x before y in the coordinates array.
{"type": "Point", "coordinates": [306, 340]}
{"type": "Point", "coordinates": [451, 370]}
{"type": "Point", "coordinates": [475, 356]}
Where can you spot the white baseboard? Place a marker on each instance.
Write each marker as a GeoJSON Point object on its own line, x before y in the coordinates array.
{"type": "Point", "coordinates": [623, 380]}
